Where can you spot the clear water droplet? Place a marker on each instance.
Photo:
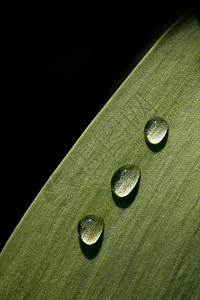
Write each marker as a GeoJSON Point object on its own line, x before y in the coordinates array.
{"type": "Point", "coordinates": [90, 229]}
{"type": "Point", "coordinates": [155, 130]}
{"type": "Point", "coordinates": [125, 180]}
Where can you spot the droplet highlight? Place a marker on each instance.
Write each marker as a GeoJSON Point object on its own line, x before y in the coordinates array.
{"type": "Point", "coordinates": [90, 229]}
{"type": "Point", "coordinates": [125, 180]}
{"type": "Point", "coordinates": [155, 130]}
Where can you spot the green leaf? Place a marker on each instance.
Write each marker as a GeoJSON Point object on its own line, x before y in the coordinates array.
{"type": "Point", "coordinates": [151, 248]}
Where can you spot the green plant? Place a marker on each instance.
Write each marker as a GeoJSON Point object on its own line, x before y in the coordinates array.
{"type": "Point", "coordinates": [151, 249]}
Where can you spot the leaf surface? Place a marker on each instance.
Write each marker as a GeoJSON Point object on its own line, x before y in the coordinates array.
{"type": "Point", "coordinates": [151, 248]}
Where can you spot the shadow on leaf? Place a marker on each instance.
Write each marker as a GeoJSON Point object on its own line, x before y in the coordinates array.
{"type": "Point", "coordinates": [91, 251]}
{"type": "Point", "coordinates": [157, 147]}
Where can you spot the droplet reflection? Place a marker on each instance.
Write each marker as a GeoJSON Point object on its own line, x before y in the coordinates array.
{"type": "Point", "coordinates": [125, 180]}
{"type": "Point", "coordinates": [156, 133]}
{"type": "Point", "coordinates": [155, 130]}
{"type": "Point", "coordinates": [90, 229]}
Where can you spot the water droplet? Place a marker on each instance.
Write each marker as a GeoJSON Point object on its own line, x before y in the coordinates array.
{"type": "Point", "coordinates": [90, 229]}
{"type": "Point", "coordinates": [125, 180]}
{"type": "Point", "coordinates": [156, 130]}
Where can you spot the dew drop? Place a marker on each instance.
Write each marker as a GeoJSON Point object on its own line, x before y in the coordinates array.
{"type": "Point", "coordinates": [155, 130]}
{"type": "Point", "coordinates": [90, 229]}
{"type": "Point", "coordinates": [125, 180]}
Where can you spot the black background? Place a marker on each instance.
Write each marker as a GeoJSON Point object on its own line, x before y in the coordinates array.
{"type": "Point", "coordinates": [62, 65]}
